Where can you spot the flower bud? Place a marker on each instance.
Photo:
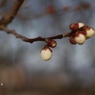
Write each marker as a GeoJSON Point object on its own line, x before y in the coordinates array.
{"type": "Point", "coordinates": [72, 40]}
{"type": "Point", "coordinates": [90, 32]}
{"type": "Point", "coordinates": [52, 43]}
{"type": "Point", "coordinates": [80, 38]}
{"type": "Point", "coordinates": [46, 53]}
{"type": "Point", "coordinates": [76, 26]}
{"type": "Point", "coordinates": [80, 24]}
{"type": "Point", "coordinates": [51, 9]}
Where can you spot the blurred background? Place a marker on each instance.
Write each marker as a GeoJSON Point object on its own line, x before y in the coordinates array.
{"type": "Point", "coordinates": [71, 70]}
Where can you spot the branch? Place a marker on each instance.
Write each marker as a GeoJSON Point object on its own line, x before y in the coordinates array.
{"type": "Point", "coordinates": [77, 29]}
{"type": "Point", "coordinates": [78, 35]}
{"type": "Point", "coordinates": [25, 39]}
{"type": "Point", "coordinates": [9, 16]}
{"type": "Point", "coordinates": [2, 3]}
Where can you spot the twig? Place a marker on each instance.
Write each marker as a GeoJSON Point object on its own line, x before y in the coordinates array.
{"type": "Point", "coordinates": [9, 16]}
{"type": "Point", "coordinates": [25, 39]}
{"type": "Point", "coordinates": [3, 3]}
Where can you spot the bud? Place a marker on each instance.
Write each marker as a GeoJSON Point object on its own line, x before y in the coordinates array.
{"type": "Point", "coordinates": [83, 32]}
{"type": "Point", "coordinates": [80, 24]}
{"type": "Point", "coordinates": [76, 26]}
{"type": "Point", "coordinates": [51, 9]}
{"type": "Point", "coordinates": [46, 53]}
{"type": "Point", "coordinates": [52, 43]}
{"type": "Point", "coordinates": [90, 32]}
{"type": "Point", "coordinates": [80, 38]}
{"type": "Point", "coordinates": [72, 40]}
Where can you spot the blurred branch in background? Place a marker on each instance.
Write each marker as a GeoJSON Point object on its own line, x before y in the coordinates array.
{"type": "Point", "coordinates": [9, 16]}
{"type": "Point", "coordinates": [2, 3]}
{"type": "Point", "coordinates": [51, 10]}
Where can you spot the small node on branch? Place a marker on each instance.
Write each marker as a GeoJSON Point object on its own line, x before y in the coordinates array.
{"type": "Point", "coordinates": [66, 8]}
{"type": "Point", "coordinates": [51, 9]}
{"type": "Point", "coordinates": [72, 40]}
{"type": "Point", "coordinates": [78, 8]}
{"type": "Point", "coordinates": [51, 43]}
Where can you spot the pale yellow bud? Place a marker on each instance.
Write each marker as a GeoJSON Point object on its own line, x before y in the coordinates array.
{"type": "Point", "coordinates": [46, 54]}
{"type": "Point", "coordinates": [80, 24]}
{"type": "Point", "coordinates": [80, 39]}
{"type": "Point", "coordinates": [90, 32]}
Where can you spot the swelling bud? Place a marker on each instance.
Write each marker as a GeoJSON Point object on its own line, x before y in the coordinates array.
{"type": "Point", "coordinates": [46, 54]}
{"type": "Point", "coordinates": [90, 32]}
{"type": "Point", "coordinates": [80, 39]}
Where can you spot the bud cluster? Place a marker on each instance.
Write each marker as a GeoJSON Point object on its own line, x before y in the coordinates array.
{"type": "Point", "coordinates": [80, 33]}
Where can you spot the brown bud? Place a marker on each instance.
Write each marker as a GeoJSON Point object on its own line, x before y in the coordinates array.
{"type": "Point", "coordinates": [51, 9]}
{"type": "Point", "coordinates": [72, 40]}
{"type": "Point", "coordinates": [52, 43]}
{"type": "Point", "coordinates": [74, 27]}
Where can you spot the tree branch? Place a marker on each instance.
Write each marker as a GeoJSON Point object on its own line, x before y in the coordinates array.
{"type": "Point", "coordinates": [25, 39]}
{"type": "Point", "coordinates": [2, 3]}
{"type": "Point", "coordinates": [9, 16]}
